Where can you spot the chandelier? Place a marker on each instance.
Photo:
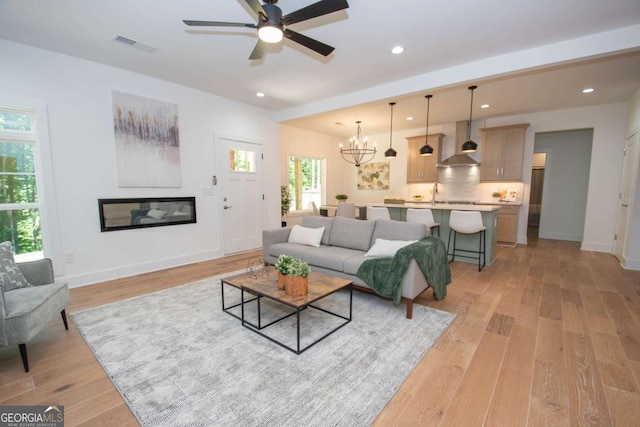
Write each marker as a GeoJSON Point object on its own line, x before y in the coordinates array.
{"type": "Point", "coordinates": [358, 151]}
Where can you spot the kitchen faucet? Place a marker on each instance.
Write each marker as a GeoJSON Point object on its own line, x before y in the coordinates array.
{"type": "Point", "coordinates": [433, 193]}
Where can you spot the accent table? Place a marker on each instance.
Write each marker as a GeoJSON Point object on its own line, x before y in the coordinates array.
{"type": "Point", "coordinates": [320, 286]}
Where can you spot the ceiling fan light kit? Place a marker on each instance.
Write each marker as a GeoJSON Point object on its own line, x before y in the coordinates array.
{"type": "Point", "coordinates": [469, 146]}
{"type": "Point", "coordinates": [270, 31]}
{"type": "Point", "coordinates": [269, 34]}
{"type": "Point", "coordinates": [272, 24]}
{"type": "Point", "coordinates": [426, 149]}
{"type": "Point", "coordinates": [391, 153]}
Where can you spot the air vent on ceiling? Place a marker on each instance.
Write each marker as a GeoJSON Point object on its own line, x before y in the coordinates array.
{"type": "Point", "coordinates": [134, 43]}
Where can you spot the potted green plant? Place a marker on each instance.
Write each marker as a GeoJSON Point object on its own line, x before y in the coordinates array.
{"type": "Point", "coordinates": [297, 283]}
{"type": "Point", "coordinates": [299, 268]}
{"type": "Point", "coordinates": [282, 266]}
{"type": "Point", "coordinates": [285, 202]}
{"type": "Point", "coordinates": [293, 275]}
{"type": "Point", "coordinates": [341, 197]}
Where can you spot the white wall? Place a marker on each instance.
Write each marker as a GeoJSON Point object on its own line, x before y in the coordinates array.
{"type": "Point", "coordinates": [608, 123]}
{"type": "Point", "coordinates": [631, 253]}
{"type": "Point", "coordinates": [566, 182]}
{"type": "Point", "coordinates": [77, 96]}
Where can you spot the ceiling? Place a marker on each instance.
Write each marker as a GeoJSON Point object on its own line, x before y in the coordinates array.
{"type": "Point", "coordinates": [361, 76]}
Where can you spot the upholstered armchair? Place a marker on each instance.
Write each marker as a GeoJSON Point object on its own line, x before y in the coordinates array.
{"type": "Point", "coordinates": [26, 310]}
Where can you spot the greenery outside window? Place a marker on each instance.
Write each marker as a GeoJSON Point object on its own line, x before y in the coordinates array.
{"type": "Point", "coordinates": [242, 161]}
{"type": "Point", "coordinates": [306, 181]}
{"type": "Point", "coordinates": [19, 202]}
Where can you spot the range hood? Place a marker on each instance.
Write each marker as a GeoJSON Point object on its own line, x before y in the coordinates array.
{"type": "Point", "coordinates": [459, 159]}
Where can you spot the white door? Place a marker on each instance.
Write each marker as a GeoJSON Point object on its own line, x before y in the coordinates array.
{"type": "Point", "coordinates": [625, 195]}
{"type": "Point", "coordinates": [240, 166]}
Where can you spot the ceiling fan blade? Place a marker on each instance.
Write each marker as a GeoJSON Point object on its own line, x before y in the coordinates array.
{"type": "Point", "coordinates": [315, 45]}
{"type": "Point", "coordinates": [257, 8]}
{"type": "Point", "coordinates": [314, 10]}
{"type": "Point", "coordinates": [217, 24]}
{"type": "Point", "coordinates": [258, 51]}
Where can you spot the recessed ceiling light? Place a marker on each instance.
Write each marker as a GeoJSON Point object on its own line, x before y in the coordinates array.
{"type": "Point", "coordinates": [260, 94]}
{"type": "Point", "coordinates": [410, 118]}
{"type": "Point", "coordinates": [397, 50]}
{"type": "Point", "coordinates": [485, 106]}
{"type": "Point", "coordinates": [588, 90]}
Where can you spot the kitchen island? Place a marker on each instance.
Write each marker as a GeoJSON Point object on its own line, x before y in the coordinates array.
{"type": "Point", "coordinates": [441, 213]}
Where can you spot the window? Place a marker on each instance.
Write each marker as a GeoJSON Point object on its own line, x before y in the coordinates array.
{"type": "Point", "coordinates": [19, 203]}
{"type": "Point", "coordinates": [306, 180]}
{"type": "Point", "coordinates": [242, 161]}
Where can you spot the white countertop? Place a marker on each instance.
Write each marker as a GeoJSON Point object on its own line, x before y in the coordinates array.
{"type": "Point", "coordinates": [441, 206]}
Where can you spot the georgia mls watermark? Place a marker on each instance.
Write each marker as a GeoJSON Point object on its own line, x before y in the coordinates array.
{"type": "Point", "coordinates": [32, 416]}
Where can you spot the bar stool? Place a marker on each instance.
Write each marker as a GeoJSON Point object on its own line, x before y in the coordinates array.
{"type": "Point", "coordinates": [374, 213]}
{"type": "Point", "coordinates": [347, 210]}
{"type": "Point", "coordinates": [468, 222]}
{"type": "Point", "coordinates": [424, 216]}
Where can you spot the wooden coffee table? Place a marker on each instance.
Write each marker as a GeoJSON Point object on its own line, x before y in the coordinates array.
{"type": "Point", "coordinates": [266, 286]}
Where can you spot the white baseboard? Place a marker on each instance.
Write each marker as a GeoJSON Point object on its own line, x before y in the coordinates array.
{"type": "Point", "coordinates": [560, 236]}
{"type": "Point", "coordinates": [84, 279]}
{"type": "Point", "coordinates": [630, 264]}
{"type": "Point", "coordinates": [596, 247]}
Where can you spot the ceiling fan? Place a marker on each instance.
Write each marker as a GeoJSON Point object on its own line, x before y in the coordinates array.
{"type": "Point", "coordinates": [272, 25]}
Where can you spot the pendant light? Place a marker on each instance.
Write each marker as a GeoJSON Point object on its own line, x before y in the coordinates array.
{"type": "Point", "coordinates": [391, 153]}
{"type": "Point", "coordinates": [470, 146]}
{"type": "Point", "coordinates": [426, 149]}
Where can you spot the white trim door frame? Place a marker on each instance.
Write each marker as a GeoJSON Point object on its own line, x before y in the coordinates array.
{"type": "Point", "coordinates": [241, 195]}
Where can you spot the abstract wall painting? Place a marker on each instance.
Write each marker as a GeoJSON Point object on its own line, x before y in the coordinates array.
{"type": "Point", "coordinates": [147, 142]}
{"type": "Point", "coordinates": [373, 176]}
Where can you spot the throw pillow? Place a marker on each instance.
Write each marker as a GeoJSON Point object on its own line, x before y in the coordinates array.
{"type": "Point", "coordinates": [10, 275]}
{"type": "Point", "coordinates": [157, 214]}
{"type": "Point", "coordinates": [387, 248]}
{"type": "Point", "coordinates": [306, 236]}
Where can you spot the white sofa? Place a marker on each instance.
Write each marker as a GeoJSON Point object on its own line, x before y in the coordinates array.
{"type": "Point", "coordinates": [342, 249]}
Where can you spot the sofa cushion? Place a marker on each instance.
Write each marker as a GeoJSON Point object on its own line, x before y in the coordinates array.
{"type": "Point", "coordinates": [387, 248]}
{"type": "Point", "coordinates": [351, 233]}
{"type": "Point", "coordinates": [317, 222]}
{"type": "Point", "coordinates": [10, 275]}
{"type": "Point", "coordinates": [398, 230]}
{"type": "Point", "coordinates": [306, 236]}
{"type": "Point", "coordinates": [292, 249]}
{"type": "Point", "coordinates": [352, 264]}
{"type": "Point", "coordinates": [27, 309]}
{"type": "Point", "coordinates": [331, 257]}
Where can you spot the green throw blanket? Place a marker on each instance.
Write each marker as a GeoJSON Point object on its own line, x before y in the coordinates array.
{"type": "Point", "coordinates": [384, 275]}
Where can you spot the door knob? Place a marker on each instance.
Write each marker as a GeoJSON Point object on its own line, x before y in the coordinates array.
{"type": "Point", "coordinates": [227, 207]}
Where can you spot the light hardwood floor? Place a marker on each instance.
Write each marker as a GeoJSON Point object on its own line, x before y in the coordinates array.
{"type": "Point", "coordinates": [547, 335]}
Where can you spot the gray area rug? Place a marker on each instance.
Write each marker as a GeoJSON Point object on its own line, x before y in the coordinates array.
{"type": "Point", "coordinates": [178, 360]}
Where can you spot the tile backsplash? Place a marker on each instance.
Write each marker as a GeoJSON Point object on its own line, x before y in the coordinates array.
{"type": "Point", "coordinates": [463, 184]}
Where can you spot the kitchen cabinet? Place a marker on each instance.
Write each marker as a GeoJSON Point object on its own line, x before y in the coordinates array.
{"type": "Point", "coordinates": [419, 168]}
{"type": "Point", "coordinates": [507, 230]}
{"type": "Point", "coordinates": [502, 153]}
